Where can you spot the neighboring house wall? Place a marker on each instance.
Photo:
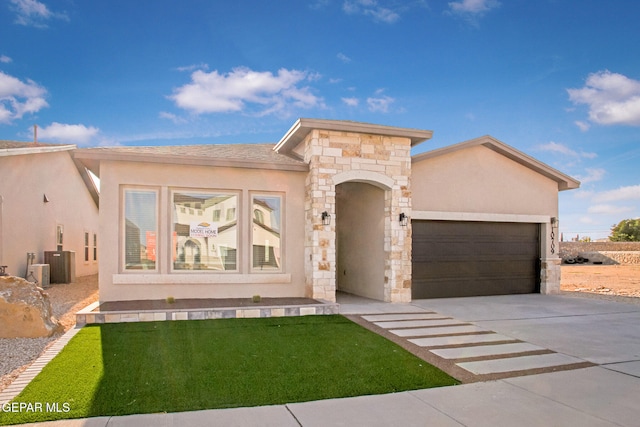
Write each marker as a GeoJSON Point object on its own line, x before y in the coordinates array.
{"type": "Point", "coordinates": [29, 223]}
{"type": "Point", "coordinates": [279, 273]}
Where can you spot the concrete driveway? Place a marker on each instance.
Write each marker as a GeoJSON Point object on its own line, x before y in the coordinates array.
{"type": "Point", "coordinates": [602, 332]}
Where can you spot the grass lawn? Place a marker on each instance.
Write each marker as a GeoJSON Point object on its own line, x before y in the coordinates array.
{"type": "Point", "coordinates": [118, 369]}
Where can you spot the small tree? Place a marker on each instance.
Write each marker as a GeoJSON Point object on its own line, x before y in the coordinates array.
{"type": "Point", "coordinates": [627, 230]}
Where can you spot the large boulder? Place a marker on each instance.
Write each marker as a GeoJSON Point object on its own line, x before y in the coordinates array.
{"type": "Point", "coordinates": [25, 311]}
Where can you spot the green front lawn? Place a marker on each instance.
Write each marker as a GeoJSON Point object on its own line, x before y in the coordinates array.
{"type": "Point", "coordinates": [118, 369]}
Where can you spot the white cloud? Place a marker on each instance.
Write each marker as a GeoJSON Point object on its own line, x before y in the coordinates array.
{"type": "Point", "coordinates": [380, 104]}
{"type": "Point", "coordinates": [605, 209]}
{"type": "Point", "coordinates": [587, 220]}
{"type": "Point", "coordinates": [472, 10]}
{"type": "Point", "coordinates": [174, 118]}
{"type": "Point", "coordinates": [32, 13]}
{"type": "Point", "coordinates": [555, 147]}
{"type": "Point", "coordinates": [631, 192]}
{"type": "Point", "coordinates": [582, 125]}
{"type": "Point", "coordinates": [194, 67]}
{"type": "Point", "coordinates": [372, 9]}
{"type": "Point", "coordinates": [344, 58]}
{"type": "Point", "coordinates": [351, 102]}
{"type": "Point", "coordinates": [612, 98]}
{"type": "Point", "coordinates": [593, 175]}
{"type": "Point", "coordinates": [582, 194]}
{"type": "Point", "coordinates": [65, 133]}
{"type": "Point", "coordinates": [18, 98]}
{"type": "Point", "coordinates": [220, 93]}
{"type": "Point", "coordinates": [5, 59]}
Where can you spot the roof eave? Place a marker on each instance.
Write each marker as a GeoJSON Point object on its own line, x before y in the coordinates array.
{"type": "Point", "coordinates": [34, 149]}
{"type": "Point", "coordinates": [302, 127]}
{"type": "Point", "coordinates": [91, 159]}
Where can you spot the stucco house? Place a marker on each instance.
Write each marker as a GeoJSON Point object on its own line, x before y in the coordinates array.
{"type": "Point", "coordinates": [48, 202]}
{"type": "Point", "coordinates": [333, 206]}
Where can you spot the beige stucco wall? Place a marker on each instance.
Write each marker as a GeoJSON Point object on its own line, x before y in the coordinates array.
{"type": "Point", "coordinates": [479, 180]}
{"type": "Point", "coordinates": [479, 184]}
{"type": "Point", "coordinates": [29, 225]}
{"type": "Point", "coordinates": [117, 285]}
{"type": "Point", "coordinates": [360, 239]}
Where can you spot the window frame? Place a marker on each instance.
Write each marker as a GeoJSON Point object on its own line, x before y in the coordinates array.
{"type": "Point", "coordinates": [95, 247]}
{"type": "Point", "coordinates": [123, 233]}
{"type": "Point", "coordinates": [87, 255]}
{"type": "Point", "coordinates": [59, 237]}
{"type": "Point", "coordinates": [252, 221]}
{"type": "Point", "coordinates": [171, 227]}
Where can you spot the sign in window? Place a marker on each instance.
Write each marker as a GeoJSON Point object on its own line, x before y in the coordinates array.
{"type": "Point", "coordinates": [205, 231]}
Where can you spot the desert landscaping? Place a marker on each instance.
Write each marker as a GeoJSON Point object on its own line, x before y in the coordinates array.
{"type": "Point", "coordinates": [604, 280]}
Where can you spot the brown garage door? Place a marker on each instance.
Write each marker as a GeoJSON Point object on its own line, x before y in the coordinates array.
{"type": "Point", "coordinates": [458, 259]}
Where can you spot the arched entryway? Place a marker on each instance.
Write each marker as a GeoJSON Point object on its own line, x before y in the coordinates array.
{"type": "Point", "coordinates": [360, 230]}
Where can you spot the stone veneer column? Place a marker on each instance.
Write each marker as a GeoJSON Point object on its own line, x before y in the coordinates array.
{"type": "Point", "coordinates": [550, 261]}
{"type": "Point", "coordinates": [329, 153]}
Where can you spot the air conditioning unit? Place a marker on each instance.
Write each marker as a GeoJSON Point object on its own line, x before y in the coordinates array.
{"type": "Point", "coordinates": [39, 274]}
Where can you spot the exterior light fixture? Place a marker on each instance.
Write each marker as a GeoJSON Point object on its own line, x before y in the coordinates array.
{"type": "Point", "coordinates": [45, 199]}
{"type": "Point", "coordinates": [404, 219]}
{"type": "Point", "coordinates": [326, 218]}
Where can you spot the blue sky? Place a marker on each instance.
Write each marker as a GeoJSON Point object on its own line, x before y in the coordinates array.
{"type": "Point", "coordinates": [557, 79]}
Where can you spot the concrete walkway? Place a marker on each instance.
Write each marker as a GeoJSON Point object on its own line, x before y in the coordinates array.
{"type": "Point", "coordinates": [603, 333]}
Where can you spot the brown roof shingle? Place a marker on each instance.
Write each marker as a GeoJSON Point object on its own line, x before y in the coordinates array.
{"type": "Point", "coordinates": [252, 155]}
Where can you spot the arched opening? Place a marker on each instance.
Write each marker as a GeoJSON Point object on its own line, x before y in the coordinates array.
{"type": "Point", "coordinates": [360, 257]}
{"type": "Point", "coordinates": [192, 253]}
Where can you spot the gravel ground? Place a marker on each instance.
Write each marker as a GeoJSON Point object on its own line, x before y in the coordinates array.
{"type": "Point", "coordinates": [66, 300]}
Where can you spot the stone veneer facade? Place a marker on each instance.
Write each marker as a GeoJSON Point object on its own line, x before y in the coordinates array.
{"type": "Point", "coordinates": [383, 161]}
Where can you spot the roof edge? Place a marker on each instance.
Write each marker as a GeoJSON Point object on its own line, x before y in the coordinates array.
{"type": "Point", "coordinates": [565, 182]}
{"type": "Point", "coordinates": [88, 155]}
{"type": "Point", "coordinates": [303, 126]}
{"type": "Point", "coordinates": [35, 149]}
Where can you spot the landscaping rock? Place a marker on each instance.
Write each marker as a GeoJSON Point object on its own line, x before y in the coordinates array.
{"type": "Point", "coordinates": [25, 310]}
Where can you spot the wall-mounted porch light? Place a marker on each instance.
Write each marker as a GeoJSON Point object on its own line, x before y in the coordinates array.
{"type": "Point", "coordinates": [326, 218]}
{"type": "Point", "coordinates": [404, 219]}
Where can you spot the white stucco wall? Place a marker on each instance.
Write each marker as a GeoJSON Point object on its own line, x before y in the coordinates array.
{"type": "Point", "coordinates": [29, 224]}
{"type": "Point", "coordinates": [117, 285]}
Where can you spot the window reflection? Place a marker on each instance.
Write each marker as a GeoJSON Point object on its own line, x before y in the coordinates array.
{"type": "Point", "coordinates": [266, 232]}
{"type": "Point", "coordinates": [204, 231]}
{"type": "Point", "coordinates": [140, 214]}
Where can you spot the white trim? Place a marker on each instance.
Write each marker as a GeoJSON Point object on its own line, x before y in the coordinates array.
{"type": "Point", "coordinates": [479, 216]}
{"type": "Point", "coordinates": [199, 279]}
{"type": "Point", "coordinates": [359, 175]}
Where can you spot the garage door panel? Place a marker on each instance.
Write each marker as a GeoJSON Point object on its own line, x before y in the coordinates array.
{"type": "Point", "coordinates": [471, 287]}
{"type": "Point", "coordinates": [473, 258]}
